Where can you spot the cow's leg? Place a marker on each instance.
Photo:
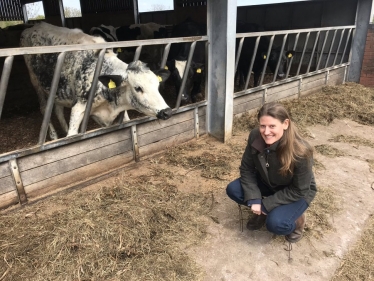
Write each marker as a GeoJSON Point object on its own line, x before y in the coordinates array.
{"type": "Point", "coordinates": [59, 111]}
{"type": "Point", "coordinates": [76, 117]}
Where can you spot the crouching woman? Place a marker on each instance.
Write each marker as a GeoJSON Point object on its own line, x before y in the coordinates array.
{"type": "Point", "coordinates": [276, 178]}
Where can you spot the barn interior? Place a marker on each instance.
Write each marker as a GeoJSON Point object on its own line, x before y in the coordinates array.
{"type": "Point", "coordinates": [327, 37]}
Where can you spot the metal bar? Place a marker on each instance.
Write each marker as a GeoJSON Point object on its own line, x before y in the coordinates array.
{"type": "Point", "coordinates": [295, 31]}
{"type": "Point", "coordinates": [51, 98]}
{"type": "Point", "coordinates": [330, 49]}
{"type": "Point", "coordinates": [62, 13]}
{"type": "Point", "coordinates": [267, 60]}
{"type": "Point", "coordinates": [137, 53]}
{"type": "Point", "coordinates": [323, 47]}
{"type": "Point", "coordinates": [196, 118]}
{"type": "Point", "coordinates": [252, 62]}
{"type": "Point", "coordinates": [239, 51]}
{"type": "Point", "coordinates": [91, 95]}
{"type": "Point", "coordinates": [294, 48]}
{"type": "Point", "coordinates": [97, 46]}
{"type": "Point", "coordinates": [280, 57]}
{"type": "Point", "coordinates": [346, 44]}
{"type": "Point", "coordinates": [337, 50]}
{"type": "Point", "coordinates": [165, 55]}
{"type": "Point", "coordinates": [314, 48]}
{"type": "Point", "coordinates": [7, 68]}
{"type": "Point", "coordinates": [13, 167]}
{"type": "Point", "coordinates": [302, 54]}
{"type": "Point", "coordinates": [185, 75]}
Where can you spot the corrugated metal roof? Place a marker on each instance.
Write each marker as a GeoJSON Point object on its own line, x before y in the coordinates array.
{"type": "Point", "coordinates": [93, 6]}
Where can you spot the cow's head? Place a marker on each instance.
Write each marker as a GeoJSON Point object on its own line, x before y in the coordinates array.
{"type": "Point", "coordinates": [273, 60]}
{"type": "Point", "coordinates": [139, 90]}
{"type": "Point", "coordinates": [177, 70]}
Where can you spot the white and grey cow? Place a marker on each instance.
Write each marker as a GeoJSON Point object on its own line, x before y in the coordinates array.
{"type": "Point", "coordinates": [122, 86]}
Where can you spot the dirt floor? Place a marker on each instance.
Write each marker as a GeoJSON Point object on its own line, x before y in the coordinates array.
{"type": "Point", "coordinates": [209, 244]}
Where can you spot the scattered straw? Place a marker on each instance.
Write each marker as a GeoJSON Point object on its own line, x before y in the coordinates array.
{"type": "Point", "coordinates": [358, 263]}
{"type": "Point", "coordinates": [328, 150]}
{"type": "Point", "coordinates": [132, 231]}
{"type": "Point", "coordinates": [353, 140]}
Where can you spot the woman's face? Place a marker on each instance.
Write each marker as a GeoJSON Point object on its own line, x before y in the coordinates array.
{"type": "Point", "coordinates": [272, 129]}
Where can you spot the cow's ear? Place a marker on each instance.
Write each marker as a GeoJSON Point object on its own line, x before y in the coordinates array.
{"type": "Point", "coordinates": [162, 74]}
{"type": "Point", "coordinates": [290, 54]}
{"type": "Point", "coordinates": [111, 81]}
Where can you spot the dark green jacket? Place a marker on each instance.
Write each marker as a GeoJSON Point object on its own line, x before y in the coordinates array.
{"type": "Point", "coordinates": [288, 189]}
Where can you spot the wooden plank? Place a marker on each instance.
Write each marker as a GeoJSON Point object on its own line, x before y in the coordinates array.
{"type": "Point", "coordinates": [248, 102]}
{"type": "Point", "coordinates": [7, 184]}
{"type": "Point", "coordinates": [337, 71]}
{"type": "Point", "coordinates": [4, 170]}
{"type": "Point", "coordinates": [63, 166]}
{"type": "Point", "coordinates": [312, 91]}
{"type": "Point", "coordinates": [336, 80]}
{"type": "Point", "coordinates": [66, 151]}
{"type": "Point", "coordinates": [171, 141]}
{"type": "Point", "coordinates": [202, 125]}
{"type": "Point", "coordinates": [309, 79]}
{"type": "Point", "coordinates": [246, 106]}
{"type": "Point", "coordinates": [283, 87]}
{"type": "Point", "coordinates": [76, 177]}
{"type": "Point", "coordinates": [156, 125]}
{"type": "Point", "coordinates": [313, 84]}
{"type": "Point", "coordinates": [275, 96]}
{"type": "Point", "coordinates": [8, 199]}
{"type": "Point", "coordinates": [164, 133]}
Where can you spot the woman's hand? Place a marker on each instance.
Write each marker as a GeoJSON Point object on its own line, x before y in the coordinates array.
{"type": "Point", "coordinates": [256, 209]}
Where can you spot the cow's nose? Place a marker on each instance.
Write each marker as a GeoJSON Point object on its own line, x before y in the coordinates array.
{"type": "Point", "coordinates": [164, 114]}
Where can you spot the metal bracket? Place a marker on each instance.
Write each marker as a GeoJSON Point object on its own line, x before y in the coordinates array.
{"type": "Point", "coordinates": [13, 166]}
{"type": "Point", "coordinates": [135, 145]}
{"type": "Point", "coordinates": [196, 114]}
{"type": "Point", "coordinates": [300, 86]}
{"type": "Point", "coordinates": [327, 76]}
{"type": "Point", "coordinates": [264, 96]}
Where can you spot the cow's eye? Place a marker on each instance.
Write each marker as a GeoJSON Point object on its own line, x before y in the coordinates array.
{"type": "Point", "coordinates": [138, 89]}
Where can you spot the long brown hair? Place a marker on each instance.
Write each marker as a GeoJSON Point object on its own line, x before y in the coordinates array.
{"type": "Point", "coordinates": [292, 146]}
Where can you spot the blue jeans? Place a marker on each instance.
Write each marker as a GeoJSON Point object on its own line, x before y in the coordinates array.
{"type": "Point", "coordinates": [280, 220]}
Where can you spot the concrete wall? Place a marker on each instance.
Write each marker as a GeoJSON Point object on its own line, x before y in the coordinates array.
{"type": "Point", "coordinates": [367, 71]}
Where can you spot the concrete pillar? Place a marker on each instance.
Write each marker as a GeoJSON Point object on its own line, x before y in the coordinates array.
{"type": "Point", "coordinates": [359, 40]}
{"type": "Point", "coordinates": [221, 20]}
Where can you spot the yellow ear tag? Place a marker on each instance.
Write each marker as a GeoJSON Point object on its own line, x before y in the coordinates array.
{"type": "Point", "coordinates": [166, 67]}
{"type": "Point", "coordinates": [198, 70]}
{"type": "Point", "coordinates": [159, 78]}
{"type": "Point", "coordinates": [264, 56]}
{"type": "Point", "coordinates": [119, 50]}
{"type": "Point", "coordinates": [111, 84]}
{"type": "Point", "coordinates": [289, 55]}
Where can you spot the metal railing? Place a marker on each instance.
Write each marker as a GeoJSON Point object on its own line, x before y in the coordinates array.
{"type": "Point", "coordinates": [9, 55]}
{"type": "Point", "coordinates": [316, 52]}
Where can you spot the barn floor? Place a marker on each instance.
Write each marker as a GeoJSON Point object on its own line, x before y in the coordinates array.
{"type": "Point", "coordinates": [335, 220]}
{"type": "Point", "coordinates": [227, 253]}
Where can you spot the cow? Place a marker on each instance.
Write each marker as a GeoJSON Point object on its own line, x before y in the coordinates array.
{"type": "Point", "coordinates": [260, 56]}
{"type": "Point", "coordinates": [178, 56]}
{"type": "Point", "coordinates": [142, 31]}
{"type": "Point", "coordinates": [122, 86]}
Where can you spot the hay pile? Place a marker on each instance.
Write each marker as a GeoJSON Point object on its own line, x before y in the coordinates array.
{"type": "Point", "coordinates": [132, 231]}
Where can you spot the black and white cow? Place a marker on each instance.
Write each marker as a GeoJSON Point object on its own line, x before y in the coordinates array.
{"type": "Point", "coordinates": [122, 87]}
{"type": "Point", "coordinates": [260, 58]}
{"type": "Point", "coordinates": [178, 56]}
{"type": "Point", "coordinates": [143, 31]}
